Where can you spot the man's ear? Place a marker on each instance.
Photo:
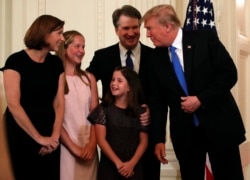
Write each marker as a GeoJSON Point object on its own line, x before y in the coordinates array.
{"type": "Point", "coordinates": [168, 27]}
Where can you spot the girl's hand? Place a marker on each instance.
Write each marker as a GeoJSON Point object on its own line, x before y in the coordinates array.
{"type": "Point", "coordinates": [126, 169]}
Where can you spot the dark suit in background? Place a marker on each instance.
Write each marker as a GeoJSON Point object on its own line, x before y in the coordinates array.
{"type": "Point", "coordinates": [210, 75]}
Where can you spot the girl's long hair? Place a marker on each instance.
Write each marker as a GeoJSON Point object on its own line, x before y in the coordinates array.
{"type": "Point", "coordinates": [69, 37]}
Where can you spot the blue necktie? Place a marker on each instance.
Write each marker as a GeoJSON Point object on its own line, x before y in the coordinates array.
{"type": "Point", "coordinates": [129, 62]}
{"type": "Point", "coordinates": [180, 75]}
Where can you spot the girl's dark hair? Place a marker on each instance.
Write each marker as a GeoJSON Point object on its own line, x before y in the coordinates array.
{"type": "Point", "coordinates": [135, 96]}
{"type": "Point", "coordinates": [42, 26]}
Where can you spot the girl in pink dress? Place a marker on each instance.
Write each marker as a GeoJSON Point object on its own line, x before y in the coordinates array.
{"type": "Point", "coordinates": [79, 158]}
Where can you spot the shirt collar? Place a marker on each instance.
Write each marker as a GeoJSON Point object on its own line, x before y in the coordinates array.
{"type": "Point", "coordinates": [178, 40]}
{"type": "Point", "coordinates": [123, 50]}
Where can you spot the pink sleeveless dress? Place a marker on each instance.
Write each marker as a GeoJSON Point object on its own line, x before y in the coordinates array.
{"type": "Point", "coordinates": [77, 103]}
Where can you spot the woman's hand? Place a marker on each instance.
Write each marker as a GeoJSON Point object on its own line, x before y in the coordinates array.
{"type": "Point", "coordinates": [49, 144]}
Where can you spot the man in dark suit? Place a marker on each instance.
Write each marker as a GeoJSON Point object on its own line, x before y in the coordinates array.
{"type": "Point", "coordinates": [126, 21]}
{"type": "Point", "coordinates": [210, 74]}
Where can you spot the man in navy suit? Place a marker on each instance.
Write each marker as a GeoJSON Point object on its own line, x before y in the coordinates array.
{"type": "Point", "coordinates": [126, 21]}
{"type": "Point", "coordinates": [210, 73]}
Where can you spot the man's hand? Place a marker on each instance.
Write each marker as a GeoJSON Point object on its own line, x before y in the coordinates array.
{"type": "Point", "coordinates": [190, 104]}
{"type": "Point", "coordinates": [160, 152]}
{"type": "Point", "coordinates": [145, 117]}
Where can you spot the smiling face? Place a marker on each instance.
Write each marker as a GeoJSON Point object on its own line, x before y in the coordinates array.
{"type": "Point", "coordinates": [119, 85]}
{"type": "Point", "coordinates": [55, 39]}
{"type": "Point", "coordinates": [128, 31]}
{"type": "Point", "coordinates": [75, 50]}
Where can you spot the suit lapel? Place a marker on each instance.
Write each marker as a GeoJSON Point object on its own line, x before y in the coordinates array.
{"type": "Point", "coordinates": [165, 64]}
{"type": "Point", "coordinates": [116, 58]}
{"type": "Point", "coordinates": [165, 70]}
{"type": "Point", "coordinates": [164, 58]}
{"type": "Point", "coordinates": [187, 56]}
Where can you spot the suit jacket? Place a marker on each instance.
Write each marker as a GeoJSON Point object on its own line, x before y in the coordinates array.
{"type": "Point", "coordinates": [105, 60]}
{"type": "Point", "coordinates": [210, 74]}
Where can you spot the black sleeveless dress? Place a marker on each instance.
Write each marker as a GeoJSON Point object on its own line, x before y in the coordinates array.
{"type": "Point", "coordinates": [38, 87]}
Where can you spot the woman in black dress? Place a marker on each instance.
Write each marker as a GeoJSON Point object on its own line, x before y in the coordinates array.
{"type": "Point", "coordinates": [34, 88]}
{"type": "Point", "coordinates": [120, 135]}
